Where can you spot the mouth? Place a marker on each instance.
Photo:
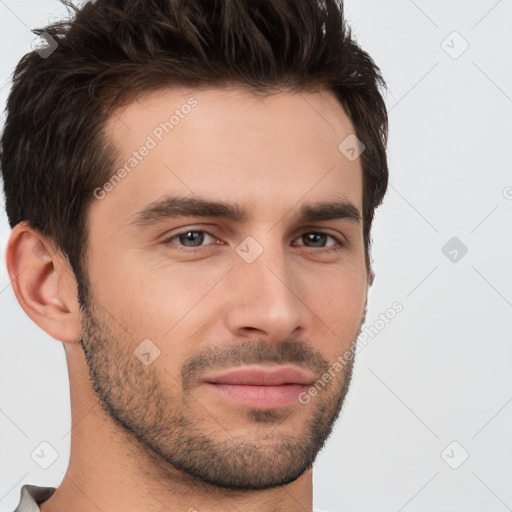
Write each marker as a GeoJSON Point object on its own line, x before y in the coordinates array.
{"type": "Point", "coordinates": [260, 387]}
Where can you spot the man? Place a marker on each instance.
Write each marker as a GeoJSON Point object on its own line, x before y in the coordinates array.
{"type": "Point", "coordinates": [191, 187]}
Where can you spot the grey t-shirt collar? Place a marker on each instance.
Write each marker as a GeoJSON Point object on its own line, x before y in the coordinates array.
{"type": "Point", "coordinates": [31, 496]}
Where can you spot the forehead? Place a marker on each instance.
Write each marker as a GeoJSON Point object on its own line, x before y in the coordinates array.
{"type": "Point", "coordinates": [267, 152]}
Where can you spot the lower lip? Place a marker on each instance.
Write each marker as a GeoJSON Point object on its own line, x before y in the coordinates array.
{"type": "Point", "coordinates": [260, 397]}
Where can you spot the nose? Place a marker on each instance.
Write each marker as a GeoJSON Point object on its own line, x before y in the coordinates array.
{"type": "Point", "coordinates": [265, 298]}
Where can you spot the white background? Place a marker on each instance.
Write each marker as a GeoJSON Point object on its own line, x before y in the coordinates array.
{"type": "Point", "coordinates": [440, 371]}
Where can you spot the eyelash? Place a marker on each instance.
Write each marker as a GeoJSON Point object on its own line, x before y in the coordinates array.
{"type": "Point", "coordinates": [180, 248]}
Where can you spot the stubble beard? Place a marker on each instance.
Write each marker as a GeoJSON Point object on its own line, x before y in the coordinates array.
{"type": "Point", "coordinates": [168, 430]}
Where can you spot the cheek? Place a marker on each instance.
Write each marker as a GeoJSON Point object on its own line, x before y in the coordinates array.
{"type": "Point", "coordinates": [339, 303]}
{"type": "Point", "coordinates": [154, 300]}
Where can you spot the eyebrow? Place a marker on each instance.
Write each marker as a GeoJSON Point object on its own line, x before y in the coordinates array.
{"type": "Point", "coordinates": [175, 207]}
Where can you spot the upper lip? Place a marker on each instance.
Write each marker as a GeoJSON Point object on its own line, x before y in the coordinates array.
{"type": "Point", "coordinates": [261, 376]}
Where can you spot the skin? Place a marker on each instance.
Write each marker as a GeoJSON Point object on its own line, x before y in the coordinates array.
{"type": "Point", "coordinates": [130, 421]}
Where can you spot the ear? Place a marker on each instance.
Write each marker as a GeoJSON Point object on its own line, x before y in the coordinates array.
{"type": "Point", "coordinates": [43, 283]}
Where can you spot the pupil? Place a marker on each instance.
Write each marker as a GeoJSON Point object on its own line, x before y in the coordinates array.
{"type": "Point", "coordinates": [194, 236]}
{"type": "Point", "coordinates": [315, 237]}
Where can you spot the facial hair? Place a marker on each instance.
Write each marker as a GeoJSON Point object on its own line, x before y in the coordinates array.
{"type": "Point", "coordinates": [164, 420]}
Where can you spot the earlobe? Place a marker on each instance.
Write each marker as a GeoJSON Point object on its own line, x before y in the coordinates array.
{"type": "Point", "coordinates": [43, 284]}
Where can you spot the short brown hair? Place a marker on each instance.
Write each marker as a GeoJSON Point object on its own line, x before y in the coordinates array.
{"type": "Point", "coordinates": [53, 151]}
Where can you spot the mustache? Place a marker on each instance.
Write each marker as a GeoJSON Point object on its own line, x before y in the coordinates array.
{"type": "Point", "coordinates": [253, 352]}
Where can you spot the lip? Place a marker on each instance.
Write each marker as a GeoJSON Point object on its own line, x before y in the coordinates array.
{"type": "Point", "coordinates": [260, 387]}
{"type": "Point", "coordinates": [262, 376]}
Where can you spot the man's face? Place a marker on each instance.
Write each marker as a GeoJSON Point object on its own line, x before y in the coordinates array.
{"type": "Point", "coordinates": [202, 328]}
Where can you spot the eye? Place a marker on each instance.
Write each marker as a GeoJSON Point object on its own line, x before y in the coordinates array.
{"type": "Point", "coordinates": [190, 238]}
{"type": "Point", "coordinates": [318, 239]}
{"type": "Point", "coordinates": [196, 238]}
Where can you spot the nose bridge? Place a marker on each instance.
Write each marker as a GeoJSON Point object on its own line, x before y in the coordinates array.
{"type": "Point", "coordinates": [267, 297]}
